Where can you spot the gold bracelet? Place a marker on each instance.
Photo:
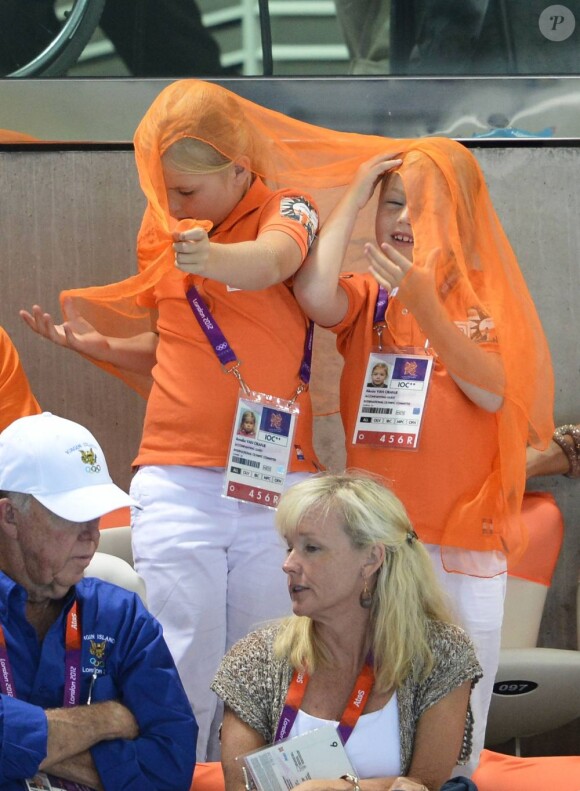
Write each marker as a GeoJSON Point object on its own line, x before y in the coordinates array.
{"type": "Point", "coordinates": [352, 779]}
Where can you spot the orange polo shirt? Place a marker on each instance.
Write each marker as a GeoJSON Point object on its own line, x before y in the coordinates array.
{"type": "Point", "coordinates": [453, 467]}
{"type": "Point", "coordinates": [191, 408]}
{"type": "Point", "coordinates": [16, 399]}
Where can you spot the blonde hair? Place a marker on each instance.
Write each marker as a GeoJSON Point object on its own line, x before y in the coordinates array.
{"type": "Point", "coordinates": [406, 596]}
{"type": "Point", "coordinates": [204, 113]}
{"type": "Point", "coordinates": [190, 155]}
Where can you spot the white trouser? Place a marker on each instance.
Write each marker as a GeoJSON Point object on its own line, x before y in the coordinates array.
{"type": "Point", "coordinates": [212, 567]}
{"type": "Point", "coordinates": [478, 606]}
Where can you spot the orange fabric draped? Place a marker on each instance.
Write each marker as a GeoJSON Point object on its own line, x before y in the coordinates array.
{"type": "Point", "coordinates": [208, 777]}
{"type": "Point", "coordinates": [10, 136]}
{"type": "Point", "coordinates": [499, 772]}
{"type": "Point", "coordinates": [545, 527]}
{"type": "Point", "coordinates": [450, 209]}
{"type": "Point", "coordinates": [16, 398]}
{"type": "Point", "coordinates": [119, 518]}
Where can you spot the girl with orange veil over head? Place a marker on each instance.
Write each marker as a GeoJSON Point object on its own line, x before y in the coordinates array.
{"type": "Point", "coordinates": [212, 320]}
{"type": "Point", "coordinates": [445, 306]}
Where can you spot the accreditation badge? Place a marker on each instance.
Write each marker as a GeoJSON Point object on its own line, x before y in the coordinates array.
{"type": "Point", "coordinates": [260, 448]}
{"type": "Point", "coordinates": [393, 398]}
{"type": "Point", "coordinates": [313, 755]}
{"type": "Point", "coordinates": [45, 782]}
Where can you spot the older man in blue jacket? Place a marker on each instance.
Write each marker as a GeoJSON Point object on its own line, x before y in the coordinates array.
{"type": "Point", "coordinates": [89, 693]}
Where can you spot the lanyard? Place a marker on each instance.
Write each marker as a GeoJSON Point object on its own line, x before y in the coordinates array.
{"type": "Point", "coordinates": [354, 708]}
{"type": "Point", "coordinates": [381, 305]}
{"type": "Point", "coordinates": [224, 351]}
{"type": "Point", "coordinates": [72, 686]}
{"type": "Point", "coordinates": [379, 322]}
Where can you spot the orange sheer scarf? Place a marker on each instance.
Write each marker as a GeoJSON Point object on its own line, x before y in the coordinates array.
{"type": "Point", "coordinates": [283, 151]}
{"type": "Point", "coordinates": [10, 136]}
{"type": "Point", "coordinates": [450, 209]}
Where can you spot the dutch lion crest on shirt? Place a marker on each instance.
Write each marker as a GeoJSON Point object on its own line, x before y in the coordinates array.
{"type": "Point", "coordinates": [301, 210]}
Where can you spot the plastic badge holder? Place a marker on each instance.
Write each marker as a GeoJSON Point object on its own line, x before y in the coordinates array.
{"type": "Point", "coordinates": [313, 755]}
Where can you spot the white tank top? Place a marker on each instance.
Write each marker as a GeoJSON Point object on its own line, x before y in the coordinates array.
{"type": "Point", "coordinates": [374, 747]}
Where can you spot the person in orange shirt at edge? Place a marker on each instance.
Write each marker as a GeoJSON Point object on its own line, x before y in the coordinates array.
{"type": "Point", "coordinates": [471, 377]}
{"type": "Point", "coordinates": [211, 563]}
{"type": "Point", "coordinates": [16, 399]}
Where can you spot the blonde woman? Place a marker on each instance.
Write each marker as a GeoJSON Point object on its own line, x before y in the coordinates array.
{"type": "Point", "coordinates": [365, 604]}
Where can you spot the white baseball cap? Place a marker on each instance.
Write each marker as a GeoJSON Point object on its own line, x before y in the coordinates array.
{"type": "Point", "coordinates": [61, 464]}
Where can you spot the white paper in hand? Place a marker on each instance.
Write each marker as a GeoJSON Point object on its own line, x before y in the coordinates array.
{"type": "Point", "coordinates": [311, 756]}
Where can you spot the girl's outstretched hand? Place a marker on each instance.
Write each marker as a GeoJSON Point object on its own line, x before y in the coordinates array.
{"type": "Point", "coordinates": [75, 333]}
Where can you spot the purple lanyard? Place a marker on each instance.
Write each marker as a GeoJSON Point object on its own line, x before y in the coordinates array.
{"type": "Point", "coordinates": [72, 685]}
{"type": "Point", "coordinates": [209, 326]}
{"type": "Point", "coordinates": [222, 348]}
{"type": "Point", "coordinates": [379, 322]}
{"type": "Point", "coordinates": [381, 305]}
{"type": "Point", "coordinates": [354, 708]}
{"type": "Point", "coordinates": [306, 364]}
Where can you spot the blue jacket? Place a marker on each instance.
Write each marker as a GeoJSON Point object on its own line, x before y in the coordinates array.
{"type": "Point", "coordinates": [124, 645]}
